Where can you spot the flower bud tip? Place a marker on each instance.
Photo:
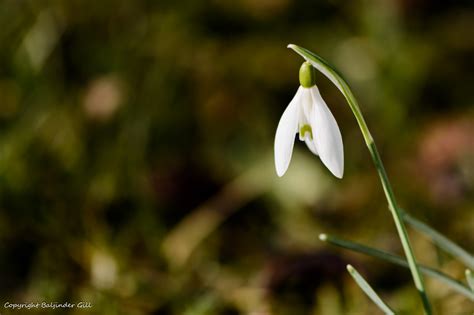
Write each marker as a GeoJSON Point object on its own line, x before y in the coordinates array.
{"type": "Point", "coordinates": [323, 237]}
{"type": "Point", "coordinates": [350, 268]}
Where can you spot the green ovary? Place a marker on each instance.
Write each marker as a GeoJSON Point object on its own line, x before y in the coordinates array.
{"type": "Point", "coordinates": [307, 75]}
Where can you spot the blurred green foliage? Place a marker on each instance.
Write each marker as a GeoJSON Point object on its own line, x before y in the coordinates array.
{"type": "Point", "coordinates": [136, 166]}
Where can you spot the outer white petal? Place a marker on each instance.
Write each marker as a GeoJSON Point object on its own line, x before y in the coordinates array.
{"type": "Point", "coordinates": [327, 135]}
{"type": "Point", "coordinates": [285, 134]}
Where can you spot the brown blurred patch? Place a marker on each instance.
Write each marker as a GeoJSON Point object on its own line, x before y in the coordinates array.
{"type": "Point", "coordinates": [9, 98]}
{"type": "Point", "coordinates": [445, 156]}
{"type": "Point", "coordinates": [294, 278]}
{"type": "Point", "coordinates": [103, 98]}
{"type": "Point", "coordinates": [262, 9]}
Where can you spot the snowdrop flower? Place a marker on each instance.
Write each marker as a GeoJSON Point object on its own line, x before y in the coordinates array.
{"type": "Point", "coordinates": [309, 116]}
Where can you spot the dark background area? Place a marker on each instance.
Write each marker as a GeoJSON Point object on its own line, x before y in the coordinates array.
{"type": "Point", "coordinates": [136, 153]}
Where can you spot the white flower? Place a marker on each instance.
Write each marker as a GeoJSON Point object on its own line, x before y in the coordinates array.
{"type": "Point", "coordinates": [309, 116]}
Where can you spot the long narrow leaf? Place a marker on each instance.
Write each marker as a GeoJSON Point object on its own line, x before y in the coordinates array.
{"type": "Point", "coordinates": [365, 286]}
{"type": "Point", "coordinates": [397, 260]}
{"type": "Point", "coordinates": [440, 240]}
{"type": "Point", "coordinates": [470, 279]}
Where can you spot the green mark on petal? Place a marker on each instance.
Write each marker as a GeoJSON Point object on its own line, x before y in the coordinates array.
{"type": "Point", "coordinates": [304, 129]}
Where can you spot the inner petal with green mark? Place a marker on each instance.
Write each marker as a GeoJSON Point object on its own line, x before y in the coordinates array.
{"type": "Point", "coordinates": [304, 129]}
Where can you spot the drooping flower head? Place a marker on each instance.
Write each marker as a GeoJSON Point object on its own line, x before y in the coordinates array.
{"type": "Point", "coordinates": [308, 116]}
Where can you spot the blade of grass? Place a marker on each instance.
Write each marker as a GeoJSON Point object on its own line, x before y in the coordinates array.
{"type": "Point", "coordinates": [440, 240]}
{"type": "Point", "coordinates": [397, 260]}
{"type": "Point", "coordinates": [365, 286]}
{"type": "Point", "coordinates": [470, 279]}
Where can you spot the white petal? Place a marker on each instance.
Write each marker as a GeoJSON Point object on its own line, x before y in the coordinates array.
{"type": "Point", "coordinates": [310, 144]}
{"type": "Point", "coordinates": [285, 134]}
{"type": "Point", "coordinates": [327, 135]}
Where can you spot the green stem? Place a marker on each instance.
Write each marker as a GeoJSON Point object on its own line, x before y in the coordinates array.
{"type": "Point", "coordinates": [341, 84]}
{"type": "Point", "coordinates": [395, 210]}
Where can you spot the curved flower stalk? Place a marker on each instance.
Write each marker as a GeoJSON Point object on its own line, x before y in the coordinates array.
{"type": "Point", "coordinates": [309, 116]}
{"type": "Point", "coordinates": [321, 65]}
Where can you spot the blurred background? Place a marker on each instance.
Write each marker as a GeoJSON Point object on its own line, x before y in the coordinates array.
{"type": "Point", "coordinates": [136, 153]}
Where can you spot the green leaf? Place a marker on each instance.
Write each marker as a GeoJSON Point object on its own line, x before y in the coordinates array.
{"type": "Point", "coordinates": [397, 260]}
{"type": "Point", "coordinates": [365, 286]}
{"type": "Point", "coordinates": [440, 240]}
{"type": "Point", "coordinates": [470, 279]}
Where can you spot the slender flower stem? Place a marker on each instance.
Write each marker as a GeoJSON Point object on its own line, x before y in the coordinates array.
{"type": "Point", "coordinates": [394, 209]}
{"type": "Point", "coordinates": [341, 84]}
